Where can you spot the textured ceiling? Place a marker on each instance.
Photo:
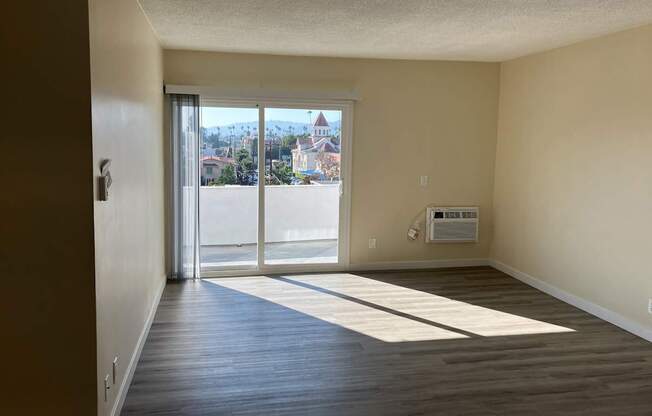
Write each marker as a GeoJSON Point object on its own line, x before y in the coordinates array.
{"type": "Point", "coordinates": [478, 30]}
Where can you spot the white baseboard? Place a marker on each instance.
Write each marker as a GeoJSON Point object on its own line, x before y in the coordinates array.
{"type": "Point", "coordinates": [418, 264]}
{"type": "Point", "coordinates": [133, 362]}
{"type": "Point", "coordinates": [587, 306]}
{"type": "Point", "coordinates": [354, 267]}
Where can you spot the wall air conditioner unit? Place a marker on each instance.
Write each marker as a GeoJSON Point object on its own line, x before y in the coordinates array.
{"type": "Point", "coordinates": [452, 224]}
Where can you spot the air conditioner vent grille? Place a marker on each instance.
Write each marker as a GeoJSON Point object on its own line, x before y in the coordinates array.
{"type": "Point", "coordinates": [452, 224]}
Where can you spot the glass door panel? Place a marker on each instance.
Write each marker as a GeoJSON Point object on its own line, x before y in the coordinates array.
{"type": "Point", "coordinates": [302, 185]}
{"type": "Point", "coordinates": [228, 196]}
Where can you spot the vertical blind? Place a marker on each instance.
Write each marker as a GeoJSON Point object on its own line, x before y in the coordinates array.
{"type": "Point", "coordinates": [184, 114]}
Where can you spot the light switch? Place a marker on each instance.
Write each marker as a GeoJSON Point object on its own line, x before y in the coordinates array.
{"type": "Point", "coordinates": [107, 387]}
{"type": "Point", "coordinates": [104, 182]}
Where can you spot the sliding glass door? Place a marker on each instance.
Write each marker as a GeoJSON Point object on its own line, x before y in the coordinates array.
{"type": "Point", "coordinates": [228, 195]}
{"type": "Point", "coordinates": [302, 185]}
{"type": "Point", "coordinates": [295, 218]}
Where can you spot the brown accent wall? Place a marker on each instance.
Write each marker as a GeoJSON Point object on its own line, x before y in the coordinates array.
{"type": "Point", "coordinates": [47, 312]}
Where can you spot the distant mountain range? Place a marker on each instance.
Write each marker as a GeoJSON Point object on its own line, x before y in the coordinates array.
{"type": "Point", "coordinates": [277, 126]}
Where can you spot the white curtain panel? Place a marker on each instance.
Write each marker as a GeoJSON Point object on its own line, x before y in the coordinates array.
{"type": "Point", "coordinates": [184, 117]}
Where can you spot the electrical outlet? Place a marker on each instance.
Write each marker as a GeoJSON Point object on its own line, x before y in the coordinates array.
{"type": "Point", "coordinates": [107, 386]}
{"type": "Point", "coordinates": [649, 306]}
{"type": "Point", "coordinates": [424, 180]}
{"type": "Point", "coordinates": [372, 243]}
{"type": "Point", "coordinates": [114, 369]}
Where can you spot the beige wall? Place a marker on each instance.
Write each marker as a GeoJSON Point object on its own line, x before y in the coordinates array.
{"type": "Point", "coordinates": [127, 108]}
{"type": "Point", "coordinates": [414, 118]}
{"type": "Point", "coordinates": [47, 313]}
{"type": "Point", "coordinates": [573, 191]}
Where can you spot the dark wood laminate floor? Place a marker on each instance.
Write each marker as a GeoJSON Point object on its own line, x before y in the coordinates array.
{"type": "Point", "coordinates": [467, 341]}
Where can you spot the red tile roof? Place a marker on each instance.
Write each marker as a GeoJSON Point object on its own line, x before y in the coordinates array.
{"type": "Point", "coordinates": [217, 159]}
{"type": "Point", "coordinates": [321, 120]}
{"type": "Point", "coordinates": [305, 141]}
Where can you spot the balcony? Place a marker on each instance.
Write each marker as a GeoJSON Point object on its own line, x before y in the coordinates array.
{"type": "Point", "coordinates": [301, 224]}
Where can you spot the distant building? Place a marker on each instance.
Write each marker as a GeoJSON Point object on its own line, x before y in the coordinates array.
{"type": "Point", "coordinates": [212, 166]}
{"type": "Point", "coordinates": [320, 142]}
{"type": "Point", "coordinates": [321, 128]}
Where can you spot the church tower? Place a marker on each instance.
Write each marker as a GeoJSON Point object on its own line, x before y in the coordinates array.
{"type": "Point", "coordinates": [320, 127]}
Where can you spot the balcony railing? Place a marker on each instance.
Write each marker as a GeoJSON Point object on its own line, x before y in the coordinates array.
{"type": "Point", "coordinates": [228, 214]}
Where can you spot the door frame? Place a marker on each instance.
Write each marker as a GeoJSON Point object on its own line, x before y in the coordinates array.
{"type": "Point", "coordinates": [346, 148]}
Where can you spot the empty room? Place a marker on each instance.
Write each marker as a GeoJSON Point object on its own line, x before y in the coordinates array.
{"type": "Point", "coordinates": [337, 207]}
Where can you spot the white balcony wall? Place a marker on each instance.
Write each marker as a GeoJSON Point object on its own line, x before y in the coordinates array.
{"type": "Point", "coordinates": [228, 214]}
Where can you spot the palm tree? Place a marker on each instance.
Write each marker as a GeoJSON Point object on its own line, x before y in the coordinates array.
{"type": "Point", "coordinates": [232, 128]}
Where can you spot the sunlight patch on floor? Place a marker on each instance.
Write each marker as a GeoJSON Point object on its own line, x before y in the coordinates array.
{"type": "Point", "coordinates": [347, 314]}
{"type": "Point", "coordinates": [384, 311]}
{"type": "Point", "coordinates": [464, 316]}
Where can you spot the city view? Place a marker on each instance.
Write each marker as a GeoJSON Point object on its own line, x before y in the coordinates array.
{"type": "Point", "coordinates": [296, 152]}
{"type": "Point", "coordinates": [302, 186]}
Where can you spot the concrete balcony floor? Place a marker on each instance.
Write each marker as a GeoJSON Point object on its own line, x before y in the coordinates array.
{"type": "Point", "coordinates": [289, 252]}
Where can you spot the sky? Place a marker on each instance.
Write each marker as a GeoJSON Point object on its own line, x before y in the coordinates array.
{"type": "Point", "coordinates": [222, 116]}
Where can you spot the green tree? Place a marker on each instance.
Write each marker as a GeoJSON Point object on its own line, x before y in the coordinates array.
{"type": "Point", "coordinates": [282, 173]}
{"type": "Point", "coordinates": [245, 170]}
{"type": "Point", "coordinates": [227, 176]}
{"type": "Point", "coordinates": [254, 147]}
{"type": "Point", "coordinates": [289, 141]}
